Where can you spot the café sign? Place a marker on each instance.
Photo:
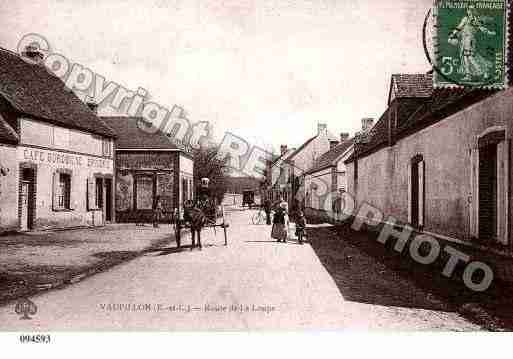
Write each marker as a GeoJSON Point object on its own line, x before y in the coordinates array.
{"type": "Point", "coordinates": [63, 159]}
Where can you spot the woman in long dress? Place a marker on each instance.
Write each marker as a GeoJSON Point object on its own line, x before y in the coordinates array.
{"type": "Point", "coordinates": [279, 230]}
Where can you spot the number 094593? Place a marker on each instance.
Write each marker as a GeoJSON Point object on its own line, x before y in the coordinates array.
{"type": "Point", "coordinates": [36, 338]}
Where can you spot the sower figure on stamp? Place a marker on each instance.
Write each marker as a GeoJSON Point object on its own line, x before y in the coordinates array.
{"type": "Point", "coordinates": [472, 63]}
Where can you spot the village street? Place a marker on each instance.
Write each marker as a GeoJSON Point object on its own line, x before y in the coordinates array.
{"type": "Point", "coordinates": [253, 283]}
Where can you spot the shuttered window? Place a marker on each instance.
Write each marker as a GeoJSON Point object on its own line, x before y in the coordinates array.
{"type": "Point", "coordinates": [61, 191]}
{"type": "Point", "coordinates": [416, 191]}
{"type": "Point", "coordinates": [99, 192]}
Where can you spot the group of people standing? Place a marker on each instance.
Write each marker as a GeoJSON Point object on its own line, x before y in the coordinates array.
{"type": "Point", "coordinates": [281, 221]}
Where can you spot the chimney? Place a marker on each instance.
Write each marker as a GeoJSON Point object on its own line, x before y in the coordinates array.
{"type": "Point", "coordinates": [33, 54]}
{"type": "Point", "coordinates": [93, 106]}
{"type": "Point", "coordinates": [367, 124]}
{"type": "Point", "coordinates": [344, 136]}
{"type": "Point", "coordinates": [283, 149]}
{"type": "Point", "coordinates": [322, 129]}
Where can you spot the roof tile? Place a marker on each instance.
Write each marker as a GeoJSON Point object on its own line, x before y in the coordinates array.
{"type": "Point", "coordinates": [326, 160]}
{"type": "Point", "coordinates": [33, 91]}
{"type": "Point", "coordinates": [130, 136]}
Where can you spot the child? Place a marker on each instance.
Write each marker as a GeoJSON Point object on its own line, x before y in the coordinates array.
{"type": "Point", "coordinates": [300, 226]}
{"type": "Point", "coordinates": [157, 212]}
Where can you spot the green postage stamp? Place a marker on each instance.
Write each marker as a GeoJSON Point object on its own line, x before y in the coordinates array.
{"type": "Point", "coordinates": [470, 43]}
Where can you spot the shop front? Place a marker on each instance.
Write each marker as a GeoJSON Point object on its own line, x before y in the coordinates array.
{"type": "Point", "coordinates": [60, 190]}
{"type": "Point", "coordinates": [56, 155]}
{"type": "Point", "coordinates": [149, 167]}
{"type": "Point", "coordinates": [142, 177]}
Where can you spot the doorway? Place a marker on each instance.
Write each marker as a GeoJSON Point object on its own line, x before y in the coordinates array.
{"type": "Point", "coordinates": [108, 200]}
{"type": "Point", "coordinates": [27, 199]}
{"type": "Point", "coordinates": [488, 192]}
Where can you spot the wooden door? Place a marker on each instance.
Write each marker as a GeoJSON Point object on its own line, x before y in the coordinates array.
{"type": "Point", "coordinates": [24, 206]}
{"type": "Point", "coordinates": [415, 195]}
{"type": "Point", "coordinates": [108, 200]}
{"type": "Point", "coordinates": [488, 192]}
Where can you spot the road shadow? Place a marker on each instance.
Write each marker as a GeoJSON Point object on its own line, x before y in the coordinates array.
{"type": "Point", "coordinates": [274, 241]}
{"type": "Point", "coordinates": [363, 276]}
{"type": "Point", "coordinates": [367, 271]}
{"type": "Point", "coordinates": [168, 250]}
{"type": "Point", "coordinates": [268, 241]}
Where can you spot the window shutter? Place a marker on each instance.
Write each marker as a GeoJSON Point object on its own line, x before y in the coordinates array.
{"type": "Point", "coordinates": [502, 191]}
{"type": "Point", "coordinates": [71, 195]}
{"type": "Point", "coordinates": [410, 215]}
{"type": "Point", "coordinates": [474, 192]}
{"type": "Point", "coordinates": [55, 191]}
{"type": "Point", "coordinates": [421, 165]}
{"type": "Point", "coordinates": [507, 166]}
{"type": "Point", "coordinates": [91, 193]}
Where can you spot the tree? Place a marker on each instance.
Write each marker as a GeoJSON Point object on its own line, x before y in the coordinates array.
{"type": "Point", "coordinates": [207, 163]}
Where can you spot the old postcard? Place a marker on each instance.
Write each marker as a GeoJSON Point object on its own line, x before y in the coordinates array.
{"type": "Point", "coordinates": [255, 165]}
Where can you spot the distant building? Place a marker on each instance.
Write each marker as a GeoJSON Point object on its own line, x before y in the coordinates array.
{"type": "Point", "coordinates": [327, 179]}
{"type": "Point", "coordinates": [56, 155]}
{"type": "Point", "coordinates": [278, 179]}
{"type": "Point", "coordinates": [148, 165]}
{"type": "Point", "coordinates": [288, 170]}
{"type": "Point", "coordinates": [439, 159]}
{"type": "Point", "coordinates": [236, 185]}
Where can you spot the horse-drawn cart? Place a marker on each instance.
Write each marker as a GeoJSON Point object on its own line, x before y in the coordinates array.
{"type": "Point", "coordinates": [205, 212]}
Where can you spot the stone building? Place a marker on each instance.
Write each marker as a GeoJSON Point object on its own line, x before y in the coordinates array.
{"type": "Point", "coordinates": [276, 173]}
{"type": "Point", "coordinates": [439, 159]}
{"type": "Point", "coordinates": [148, 165]}
{"type": "Point", "coordinates": [327, 178]}
{"type": "Point", "coordinates": [288, 170]}
{"type": "Point", "coordinates": [56, 155]}
{"type": "Point", "coordinates": [236, 185]}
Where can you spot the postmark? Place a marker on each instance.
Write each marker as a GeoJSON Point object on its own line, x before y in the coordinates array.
{"type": "Point", "coordinates": [470, 42]}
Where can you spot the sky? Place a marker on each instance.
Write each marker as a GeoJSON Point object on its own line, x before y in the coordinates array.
{"type": "Point", "coordinates": [266, 70]}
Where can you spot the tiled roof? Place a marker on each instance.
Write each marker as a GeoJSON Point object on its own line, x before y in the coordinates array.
{"type": "Point", "coordinates": [416, 115]}
{"type": "Point", "coordinates": [130, 136]}
{"type": "Point", "coordinates": [300, 148]}
{"type": "Point", "coordinates": [443, 103]}
{"type": "Point", "coordinates": [412, 85]}
{"type": "Point", "coordinates": [327, 159]}
{"type": "Point", "coordinates": [283, 157]}
{"type": "Point", "coordinates": [7, 134]}
{"type": "Point", "coordinates": [32, 90]}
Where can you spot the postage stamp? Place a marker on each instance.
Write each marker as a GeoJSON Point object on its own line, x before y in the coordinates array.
{"type": "Point", "coordinates": [470, 43]}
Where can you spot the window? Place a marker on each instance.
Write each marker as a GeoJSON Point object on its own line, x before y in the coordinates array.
{"type": "Point", "coordinates": [355, 176]}
{"type": "Point", "coordinates": [144, 192]}
{"type": "Point", "coordinates": [184, 190]}
{"type": "Point", "coordinates": [62, 191]}
{"type": "Point", "coordinates": [416, 191]}
{"type": "Point", "coordinates": [106, 147]}
{"type": "Point", "coordinates": [99, 193]}
{"type": "Point", "coordinates": [191, 189]}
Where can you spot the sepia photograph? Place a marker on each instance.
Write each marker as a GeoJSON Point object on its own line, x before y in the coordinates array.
{"type": "Point", "coordinates": [269, 166]}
